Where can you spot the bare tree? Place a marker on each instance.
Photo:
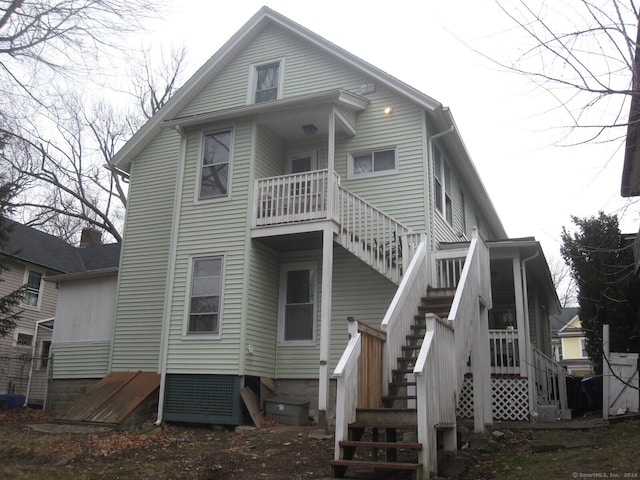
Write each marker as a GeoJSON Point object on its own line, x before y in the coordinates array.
{"type": "Point", "coordinates": [57, 141]}
{"type": "Point", "coordinates": [64, 158]}
{"type": "Point", "coordinates": [564, 283]}
{"type": "Point", "coordinates": [582, 52]}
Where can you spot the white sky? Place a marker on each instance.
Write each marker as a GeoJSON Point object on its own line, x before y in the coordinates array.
{"type": "Point", "coordinates": [506, 124]}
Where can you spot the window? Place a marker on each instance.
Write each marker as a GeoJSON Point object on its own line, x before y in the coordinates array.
{"type": "Point", "coordinates": [216, 158]}
{"type": "Point", "coordinates": [45, 349]}
{"type": "Point", "coordinates": [265, 82]}
{"type": "Point", "coordinates": [297, 309]}
{"type": "Point", "coordinates": [23, 339]}
{"type": "Point", "coordinates": [375, 162]}
{"type": "Point", "coordinates": [205, 297]}
{"type": "Point", "coordinates": [33, 287]}
{"type": "Point", "coordinates": [583, 348]}
{"type": "Point", "coordinates": [442, 177]}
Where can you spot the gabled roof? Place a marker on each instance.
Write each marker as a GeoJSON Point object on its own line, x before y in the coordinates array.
{"type": "Point", "coordinates": [562, 319]}
{"type": "Point", "coordinates": [439, 117]}
{"type": "Point", "coordinates": [52, 253]}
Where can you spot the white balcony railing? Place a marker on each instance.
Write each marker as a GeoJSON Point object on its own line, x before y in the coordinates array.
{"type": "Point", "coordinates": [505, 352]}
{"type": "Point", "coordinates": [299, 197]}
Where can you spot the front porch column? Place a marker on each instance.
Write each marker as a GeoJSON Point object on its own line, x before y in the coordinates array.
{"type": "Point", "coordinates": [325, 325]}
{"type": "Point", "coordinates": [526, 355]}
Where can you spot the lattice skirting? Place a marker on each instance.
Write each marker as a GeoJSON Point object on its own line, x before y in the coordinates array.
{"type": "Point", "coordinates": [509, 396]}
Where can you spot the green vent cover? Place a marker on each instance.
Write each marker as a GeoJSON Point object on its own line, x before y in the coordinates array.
{"type": "Point", "coordinates": [202, 399]}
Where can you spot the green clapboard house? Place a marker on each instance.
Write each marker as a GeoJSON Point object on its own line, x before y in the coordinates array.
{"type": "Point", "coordinates": [290, 186]}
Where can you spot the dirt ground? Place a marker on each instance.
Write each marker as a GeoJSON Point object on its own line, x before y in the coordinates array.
{"type": "Point", "coordinates": [31, 449]}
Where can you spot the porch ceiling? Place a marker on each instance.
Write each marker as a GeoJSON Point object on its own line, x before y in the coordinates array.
{"type": "Point", "coordinates": [293, 242]}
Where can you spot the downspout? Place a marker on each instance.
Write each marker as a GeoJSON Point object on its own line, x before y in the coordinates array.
{"type": "Point", "coordinates": [166, 318]}
{"type": "Point", "coordinates": [527, 331]}
{"type": "Point", "coordinates": [429, 222]}
{"type": "Point", "coordinates": [33, 354]}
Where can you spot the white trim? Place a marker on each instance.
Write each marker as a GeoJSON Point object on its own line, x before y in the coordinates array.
{"type": "Point", "coordinates": [351, 175]}
{"type": "Point", "coordinates": [22, 331]}
{"type": "Point", "coordinates": [253, 79]}
{"type": "Point", "coordinates": [221, 198]}
{"type": "Point", "coordinates": [282, 299]}
{"type": "Point", "coordinates": [27, 271]}
{"type": "Point", "coordinates": [186, 334]}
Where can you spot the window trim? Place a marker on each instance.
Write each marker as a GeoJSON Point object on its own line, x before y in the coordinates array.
{"type": "Point", "coordinates": [282, 301]}
{"type": "Point", "coordinates": [21, 331]}
{"type": "Point", "coordinates": [351, 175]}
{"type": "Point", "coordinates": [253, 80]}
{"type": "Point", "coordinates": [186, 333]}
{"type": "Point", "coordinates": [444, 179]}
{"type": "Point", "coordinates": [221, 198]}
{"type": "Point", "coordinates": [27, 272]}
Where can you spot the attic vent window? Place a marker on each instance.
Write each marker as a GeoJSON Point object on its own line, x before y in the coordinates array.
{"type": "Point", "coordinates": [266, 82]}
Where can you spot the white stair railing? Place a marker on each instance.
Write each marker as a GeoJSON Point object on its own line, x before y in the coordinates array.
{"type": "Point", "coordinates": [373, 236]}
{"type": "Point", "coordinates": [402, 309]}
{"type": "Point", "coordinates": [346, 374]}
{"type": "Point", "coordinates": [550, 381]}
{"type": "Point", "coordinates": [435, 374]}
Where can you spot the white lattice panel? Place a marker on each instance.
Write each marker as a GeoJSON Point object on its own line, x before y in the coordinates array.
{"type": "Point", "coordinates": [510, 399]}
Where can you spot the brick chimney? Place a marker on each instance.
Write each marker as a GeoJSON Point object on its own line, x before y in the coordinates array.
{"type": "Point", "coordinates": [90, 237]}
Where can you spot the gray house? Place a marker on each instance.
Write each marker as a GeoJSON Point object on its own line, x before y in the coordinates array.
{"type": "Point", "coordinates": [288, 187]}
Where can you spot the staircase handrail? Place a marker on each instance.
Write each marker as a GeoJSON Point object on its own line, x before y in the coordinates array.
{"type": "Point", "coordinates": [435, 387]}
{"type": "Point", "coordinates": [346, 374]}
{"type": "Point", "coordinates": [399, 316]}
{"type": "Point", "coordinates": [372, 235]}
{"type": "Point", "coordinates": [551, 379]}
{"type": "Point", "coordinates": [474, 288]}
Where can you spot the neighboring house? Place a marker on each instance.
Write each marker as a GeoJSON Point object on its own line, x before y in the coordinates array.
{"type": "Point", "coordinates": [28, 257]}
{"type": "Point", "coordinates": [574, 349]}
{"type": "Point", "coordinates": [289, 186]}
{"type": "Point", "coordinates": [569, 343]}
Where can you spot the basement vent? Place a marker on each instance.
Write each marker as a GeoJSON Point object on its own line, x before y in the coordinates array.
{"type": "Point", "coordinates": [202, 399]}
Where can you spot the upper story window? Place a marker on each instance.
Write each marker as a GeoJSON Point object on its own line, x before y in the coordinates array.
{"type": "Point", "coordinates": [22, 339]}
{"type": "Point", "coordinates": [265, 81]}
{"type": "Point", "coordinates": [442, 177]}
{"type": "Point", "coordinates": [216, 160]}
{"type": "Point", "coordinates": [205, 297]}
{"type": "Point", "coordinates": [371, 163]}
{"type": "Point", "coordinates": [33, 289]}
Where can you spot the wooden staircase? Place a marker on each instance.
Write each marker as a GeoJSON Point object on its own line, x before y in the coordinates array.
{"type": "Point", "coordinates": [383, 441]}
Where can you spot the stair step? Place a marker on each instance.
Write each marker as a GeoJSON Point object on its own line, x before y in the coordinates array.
{"type": "Point", "coordinates": [395, 426]}
{"type": "Point", "coordinates": [398, 445]}
{"type": "Point", "coordinates": [409, 348]}
{"type": "Point", "coordinates": [376, 465]}
{"type": "Point", "coordinates": [402, 384]}
{"type": "Point", "coordinates": [392, 398]}
{"type": "Point", "coordinates": [396, 416]}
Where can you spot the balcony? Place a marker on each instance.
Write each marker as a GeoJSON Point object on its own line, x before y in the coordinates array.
{"type": "Point", "coordinates": [295, 198]}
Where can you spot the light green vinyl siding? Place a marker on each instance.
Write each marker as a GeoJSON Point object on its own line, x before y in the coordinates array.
{"type": "Point", "coordinates": [212, 228]}
{"type": "Point", "coordinates": [144, 258]}
{"type": "Point", "coordinates": [262, 311]}
{"type": "Point", "coordinates": [358, 291]}
{"type": "Point", "coordinates": [307, 69]}
{"type": "Point", "coordinates": [94, 355]}
{"type": "Point", "coordinates": [401, 195]}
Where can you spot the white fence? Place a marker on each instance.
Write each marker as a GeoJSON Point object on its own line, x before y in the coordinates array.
{"type": "Point", "coordinates": [504, 348]}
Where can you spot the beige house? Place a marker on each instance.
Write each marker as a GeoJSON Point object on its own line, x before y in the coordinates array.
{"type": "Point", "coordinates": [573, 351]}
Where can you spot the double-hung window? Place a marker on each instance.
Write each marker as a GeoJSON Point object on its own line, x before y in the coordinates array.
{"type": "Point", "coordinates": [265, 81]}
{"type": "Point", "coordinates": [216, 163]}
{"type": "Point", "coordinates": [33, 289]}
{"type": "Point", "coordinates": [372, 162]}
{"type": "Point", "coordinates": [442, 180]}
{"type": "Point", "coordinates": [206, 294]}
{"type": "Point", "coordinates": [297, 306]}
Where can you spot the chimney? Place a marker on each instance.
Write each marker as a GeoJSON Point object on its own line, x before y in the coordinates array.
{"type": "Point", "coordinates": [90, 237]}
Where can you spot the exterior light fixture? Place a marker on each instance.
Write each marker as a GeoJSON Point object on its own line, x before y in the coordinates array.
{"type": "Point", "coordinates": [388, 110]}
{"type": "Point", "coordinates": [310, 129]}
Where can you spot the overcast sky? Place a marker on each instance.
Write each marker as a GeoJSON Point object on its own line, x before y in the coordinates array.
{"type": "Point", "coordinates": [508, 126]}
